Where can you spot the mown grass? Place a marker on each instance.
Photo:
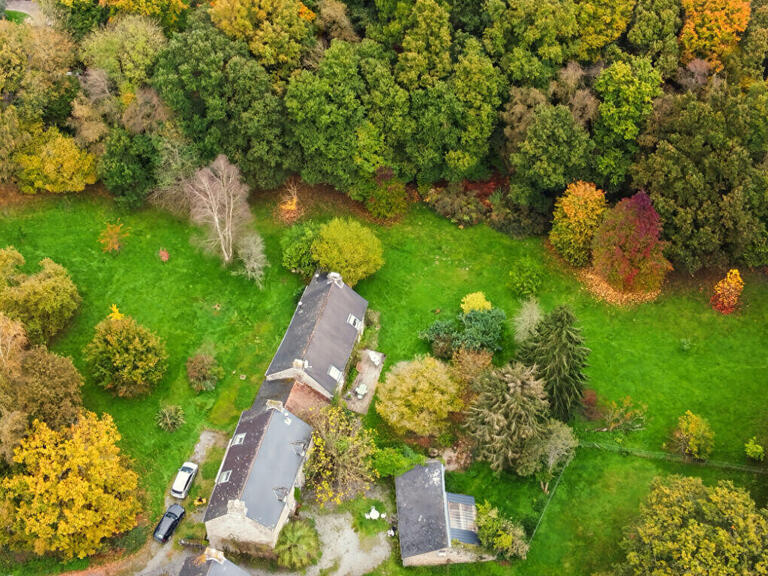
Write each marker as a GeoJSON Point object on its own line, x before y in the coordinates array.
{"type": "Point", "coordinates": [15, 16]}
{"type": "Point", "coordinates": [430, 265]}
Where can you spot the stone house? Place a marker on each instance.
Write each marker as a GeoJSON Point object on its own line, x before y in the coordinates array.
{"type": "Point", "coordinates": [435, 527]}
{"type": "Point", "coordinates": [254, 492]}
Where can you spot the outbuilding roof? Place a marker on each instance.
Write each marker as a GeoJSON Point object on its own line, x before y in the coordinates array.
{"type": "Point", "coordinates": [321, 333]}
{"type": "Point", "coordinates": [261, 464]}
{"type": "Point", "coordinates": [422, 520]}
{"type": "Point", "coordinates": [210, 565]}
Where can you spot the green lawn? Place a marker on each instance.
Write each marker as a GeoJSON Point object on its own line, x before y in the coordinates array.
{"type": "Point", "coordinates": [430, 265]}
{"type": "Point", "coordinates": [14, 16]}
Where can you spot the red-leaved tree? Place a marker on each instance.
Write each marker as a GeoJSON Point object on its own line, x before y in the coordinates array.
{"type": "Point", "coordinates": [627, 250]}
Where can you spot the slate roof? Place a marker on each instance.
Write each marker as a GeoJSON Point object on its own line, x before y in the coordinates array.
{"type": "Point", "coordinates": [422, 520]}
{"type": "Point", "coordinates": [197, 566]}
{"type": "Point", "coordinates": [264, 467]}
{"type": "Point", "coordinates": [319, 332]}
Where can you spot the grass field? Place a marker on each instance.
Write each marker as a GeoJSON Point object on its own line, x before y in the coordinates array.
{"type": "Point", "coordinates": [14, 16]}
{"type": "Point", "coordinates": [430, 264]}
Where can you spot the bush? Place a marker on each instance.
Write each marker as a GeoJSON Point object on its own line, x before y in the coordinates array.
{"type": "Point", "coordinates": [500, 535]}
{"type": "Point", "coordinates": [298, 545]}
{"type": "Point", "coordinates": [395, 461]}
{"type": "Point", "coordinates": [627, 248]}
{"type": "Point", "coordinates": [727, 293]}
{"type": "Point", "coordinates": [753, 450]}
{"type": "Point", "coordinates": [526, 278]}
{"type": "Point", "coordinates": [170, 418]}
{"type": "Point", "coordinates": [203, 372]}
{"type": "Point", "coordinates": [460, 206]}
{"type": "Point", "coordinates": [527, 319]}
{"type": "Point", "coordinates": [125, 357]}
{"type": "Point", "coordinates": [339, 466]}
{"type": "Point", "coordinates": [349, 248]}
{"type": "Point", "coordinates": [418, 396]}
{"type": "Point", "coordinates": [388, 199]}
{"type": "Point", "coordinates": [127, 166]}
{"type": "Point", "coordinates": [578, 213]}
{"type": "Point", "coordinates": [624, 416]}
{"type": "Point", "coordinates": [249, 249]}
{"type": "Point", "coordinates": [44, 302]}
{"type": "Point", "coordinates": [483, 329]}
{"type": "Point", "coordinates": [469, 365]}
{"type": "Point", "coordinates": [296, 244]}
{"type": "Point", "coordinates": [440, 337]}
{"type": "Point", "coordinates": [693, 436]}
{"type": "Point", "coordinates": [475, 301]}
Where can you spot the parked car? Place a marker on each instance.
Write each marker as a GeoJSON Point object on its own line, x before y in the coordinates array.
{"type": "Point", "coordinates": [184, 478]}
{"type": "Point", "coordinates": [168, 523]}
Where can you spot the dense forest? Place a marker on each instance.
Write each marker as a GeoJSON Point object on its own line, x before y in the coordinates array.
{"type": "Point", "coordinates": [379, 99]}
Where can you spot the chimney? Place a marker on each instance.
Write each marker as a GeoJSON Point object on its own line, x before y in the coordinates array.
{"type": "Point", "coordinates": [300, 364]}
{"type": "Point", "coordinates": [275, 405]}
{"type": "Point", "coordinates": [335, 277]}
{"type": "Point", "coordinates": [215, 555]}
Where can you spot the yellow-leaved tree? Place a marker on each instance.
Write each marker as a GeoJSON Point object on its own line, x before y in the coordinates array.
{"type": "Point", "coordinates": [72, 489]}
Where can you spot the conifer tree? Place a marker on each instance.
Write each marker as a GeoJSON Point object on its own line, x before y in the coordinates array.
{"type": "Point", "coordinates": [510, 412]}
{"type": "Point", "coordinates": [557, 351]}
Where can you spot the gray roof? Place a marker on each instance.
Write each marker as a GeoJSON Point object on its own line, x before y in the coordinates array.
{"type": "Point", "coordinates": [319, 332]}
{"type": "Point", "coordinates": [197, 566]}
{"type": "Point", "coordinates": [422, 520]}
{"type": "Point", "coordinates": [278, 390]}
{"type": "Point", "coordinates": [264, 467]}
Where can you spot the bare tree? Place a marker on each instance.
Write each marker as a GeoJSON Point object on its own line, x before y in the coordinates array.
{"type": "Point", "coordinates": [218, 200]}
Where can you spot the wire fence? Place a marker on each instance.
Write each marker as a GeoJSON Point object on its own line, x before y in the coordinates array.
{"type": "Point", "coordinates": [549, 499]}
{"type": "Point", "coordinates": [670, 457]}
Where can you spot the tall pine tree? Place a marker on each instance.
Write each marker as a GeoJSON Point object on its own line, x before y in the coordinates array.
{"type": "Point", "coordinates": [510, 412]}
{"type": "Point", "coordinates": [557, 351]}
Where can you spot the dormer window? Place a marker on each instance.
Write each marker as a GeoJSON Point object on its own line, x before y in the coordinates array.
{"type": "Point", "coordinates": [238, 439]}
{"type": "Point", "coordinates": [224, 477]}
{"type": "Point", "coordinates": [335, 373]}
{"type": "Point", "coordinates": [353, 320]}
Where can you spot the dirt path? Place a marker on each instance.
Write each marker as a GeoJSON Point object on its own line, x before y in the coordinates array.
{"type": "Point", "coordinates": [28, 7]}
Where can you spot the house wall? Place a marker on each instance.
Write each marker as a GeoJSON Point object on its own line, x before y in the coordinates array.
{"type": "Point", "coordinates": [440, 557]}
{"type": "Point", "coordinates": [301, 376]}
{"type": "Point", "coordinates": [235, 526]}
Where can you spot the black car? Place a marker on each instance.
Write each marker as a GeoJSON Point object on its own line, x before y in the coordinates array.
{"type": "Point", "coordinates": [168, 523]}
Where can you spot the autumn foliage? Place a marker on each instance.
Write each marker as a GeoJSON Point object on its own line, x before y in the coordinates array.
{"type": "Point", "coordinates": [112, 236]}
{"type": "Point", "coordinates": [725, 298]}
{"type": "Point", "coordinates": [712, 28]}
{"type": "Point", "coordinates": [70, 491]}
{"type": "Point", "coordinates": [627, 250]}
{"type": "Point", "coordinates": [578, 213]}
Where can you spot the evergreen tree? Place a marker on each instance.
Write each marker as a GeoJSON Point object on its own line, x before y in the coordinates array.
{"type": "Point", "coordinates": [557, 351]}
{"type": "Point", "coordinates": [510, 412]}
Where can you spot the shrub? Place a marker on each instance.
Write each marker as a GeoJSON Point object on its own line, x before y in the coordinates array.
{"type": "Point", "coordinates": [753, 450]}
{"type": "Point", "coordinates": [727, 293]}
{"type": "Point", "coordinates": [526, 278]}
{"type": "Point", "coordinates": [170, 418]}
{"type": "Point", "coordinates": [46, 387]}
{"type": "Point", "coordinates": [296, 244]}
{"type": "Point", "coordinates": [682, 518]}
{"type": "Point", "coordinates": [498, 534]}
{"type": "Point", "coordinates": [125, 357]}
{"type": "Point", "coordinates": [340, 464]}
{"type": "Point", "coordinates": [475, 301]}
{"type": "Point", "coordinates": [349, 248]}
{"type": "Point", "coordinates": [578, 213]}
{"type": "Point", "coordinates": [54, 163]}
{"type": "Point", "coordinates": [388, 199]}
{"type": "Point", "coordinates": [589, 405]}
{"type": "Point", "coordinates": [112, 236]}
{"type": "Point", "coordinates": [44, 302]}
{"type": "Point", "coordinates": [624, 416]}
{"type": "Point", "coordinates": [418, 396]}
{"type": "Point", "coordinates": [527, 319]}
{"type": "Point", "coordinates": [482, 329]}
{"type": "Point", "coordinates": [203, 372]}
{"type": "Point", "coordinates": [440, 336]}
{"type": "Point", "coordinates": [627, 248]}
{"type": "Point", "coordinates": [693, 436]}
{"type": "Point", "coordinates": [249, 249]}
{"type": "Point", "coordinates": [460, 206]}
{"type": "Point", "coordinates": [469, 365]}
{"type": "Point", "coordinates": [395, 461]}
{"type": "Point", "coordinates": [298, 545]}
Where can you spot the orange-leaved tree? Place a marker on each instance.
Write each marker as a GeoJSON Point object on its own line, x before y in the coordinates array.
{"type": "Point", "coordinates": [71, 490]}
{"type": "Point", "coordinates": [727, 293]}
{"type": "Point", "coordinates": [712, 29]}
{"type": "Point", "coordinates": [578, 214]}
